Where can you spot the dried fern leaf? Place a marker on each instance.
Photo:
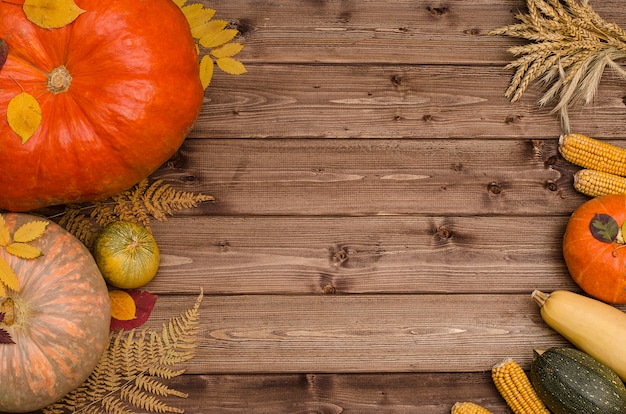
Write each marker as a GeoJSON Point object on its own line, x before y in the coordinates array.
{"type": "Point", "coordinates": [161, 200]}
{"type": "Point", "coordinates": [132, 368]}
{"type": "Point", "coordinates": [155, 387]}
{"type": "Point", "coordinates": [102, 214]}
{"type": "Point", "coordinates": [571, 47]}
{"type": "Point", "coordinates": [140, 204]}
{"type": "Point", "coordinates": [136, 397]}
{"type": "Point", "coordinates": [79, 225]}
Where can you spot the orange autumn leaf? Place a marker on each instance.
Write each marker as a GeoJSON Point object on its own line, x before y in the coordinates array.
{"type": "Point", "coordinates": [24, 115]}
{"type": "Point", "coordinates": [123, 305]}
{"type": "Point", "coordinates": [51, 14]}
{"type": "Point", "coordinates": [144, 302]}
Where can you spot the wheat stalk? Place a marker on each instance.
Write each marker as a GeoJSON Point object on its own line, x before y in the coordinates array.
{"type": "Point", "coordinates": [571, 45]}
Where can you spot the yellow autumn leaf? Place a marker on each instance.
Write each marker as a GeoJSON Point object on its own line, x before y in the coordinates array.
{"type": "Point", "coordinates": [210, 28]}
{"type": "Point", "coordinates": [123, 307]}
{"type": "Point", "coordinates": [206, 71]}
{"type": "Point", "coordinates": [219, 38]}
{"type": "Point", "coordinates": [197, 16]}
{"type": "Point", "coordinates": [30, 231]}
{"type": "Point", "coordinates": [227, 50]}
{"type": "Point", "coordinates": [24, 115]}
{"type": "Point", "coordinates": [5, 236]}
{"type": "Point", "coordinates": [51, 14]}
{"type": "Point", "coordinates": [8, 277]}
{"type": "Point", "coordinates": [180, 3]}
{"type": "Point", "coordinates": [231, 66]}
{"type": "Point", "coordinates": [23, 250]}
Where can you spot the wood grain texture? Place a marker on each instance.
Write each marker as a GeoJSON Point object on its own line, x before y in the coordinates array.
{"type": "Point", "coordinates": [382, 211]}
{"type": "Point", "coordinates": [388, 254]}
{"type": "Point", "coordinates": [377, 177]}
{"type": "Point", "coordinates": [453, 32]}
{"type": "Point", "coordinates": [418, 393]}
{"type": "Point", "coordinates": [247, 334]}
{"type": "Point", "coordinates": [393, 101]}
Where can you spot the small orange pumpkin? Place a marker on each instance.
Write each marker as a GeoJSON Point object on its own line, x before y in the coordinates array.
{"type": "Point", "coordinates": [119, 90]}
{"type": "Point", "coordinates": [594, 248]}
{"type": "Point", "coordinates": [59, 320]}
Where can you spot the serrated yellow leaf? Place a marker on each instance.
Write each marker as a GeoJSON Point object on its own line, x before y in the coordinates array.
{"type": "Point", "coordinates": [219, 38]}
{"type": "Point", "coordinates": [8, 276]}
{"type": "Point", "coordinates": [227, 50]}
{"type": "Point", "coordinates": [30, 231]}
{"type": "Point", "coordinates": [5, 236]}
{"type": "Point", "coordinates": [212, 27]}
{"type": "Point", "coordinates": [123, 307]}
{"type": "Point", "coordinates": [197, 16]}
{"type": "Point", "coordinates": [51, 14]}
{"type": "Point", "coordinates": [24, 115]}
{"type": "Point", "coordinates": [23, 250]}
{"type": "Point", "coordinates": [231, 66]}
{"type": "Point", "coordinates": [206, 71]}
{"type": "Point", "coordinates": [180, 3]}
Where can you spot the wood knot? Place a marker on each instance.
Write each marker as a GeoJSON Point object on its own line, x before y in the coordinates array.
{"type": "Point", "coordinates": [443, 233]}
{"type": "Point", "coordinates": [551, 161]}
{"type": "Point", "coordinates": [396, 80]}
{"type": "Point", "coordinates": [438, 11]}
{"type": "Point", "coordinates": [244, 26]}
{"type": "Point", "coordinates": [551, 186]}
{"type": "Point", "coordinates": [511, 119]}
{"type": "Point", "coordinates": [340, 256]}
{"type": "Point", "coordinates": [329, 289]}
{"type": "Point", "coordinates": [494, 188]}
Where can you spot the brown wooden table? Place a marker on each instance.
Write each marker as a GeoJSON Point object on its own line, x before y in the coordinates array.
{"type": "Point", "coordinates": [382, 211]}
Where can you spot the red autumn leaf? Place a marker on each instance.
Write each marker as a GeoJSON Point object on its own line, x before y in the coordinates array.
{"type": "Point", "coordinates": [144, 302]}
{"type": "Point", "coordinates": [4, 52]}
{"type": "Point", "coordinates": [5, 337]}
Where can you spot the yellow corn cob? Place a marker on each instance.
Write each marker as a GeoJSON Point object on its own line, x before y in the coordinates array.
{"type": "Point", "coordinates": [467, 407]}
{"type": "Point", "coordinates": [593, 154]}
{"type": "Point", "coordinates": [597, 183]}
{"type": "Point", "coordinates": [516, 389]}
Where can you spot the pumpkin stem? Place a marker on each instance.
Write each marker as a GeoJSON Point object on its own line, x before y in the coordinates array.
{"type": "Point", "coordinates": [59, 80]}
{"type": "Point", "coordinates": [7, 306]}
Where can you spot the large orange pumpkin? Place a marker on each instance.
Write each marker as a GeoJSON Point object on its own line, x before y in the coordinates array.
{"type": "Point", "coordinates": [594, 249]}
{"type": "Point", "coordinates": [119, 90]}
{"type": "Point", "coordinates": [59, 320]}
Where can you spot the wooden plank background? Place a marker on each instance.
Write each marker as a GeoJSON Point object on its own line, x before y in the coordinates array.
{"type": "Point", "coordinates": [382, 211]}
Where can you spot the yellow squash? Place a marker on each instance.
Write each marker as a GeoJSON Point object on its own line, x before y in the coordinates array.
{"type": "Point", "coordinates": [594, 327]}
